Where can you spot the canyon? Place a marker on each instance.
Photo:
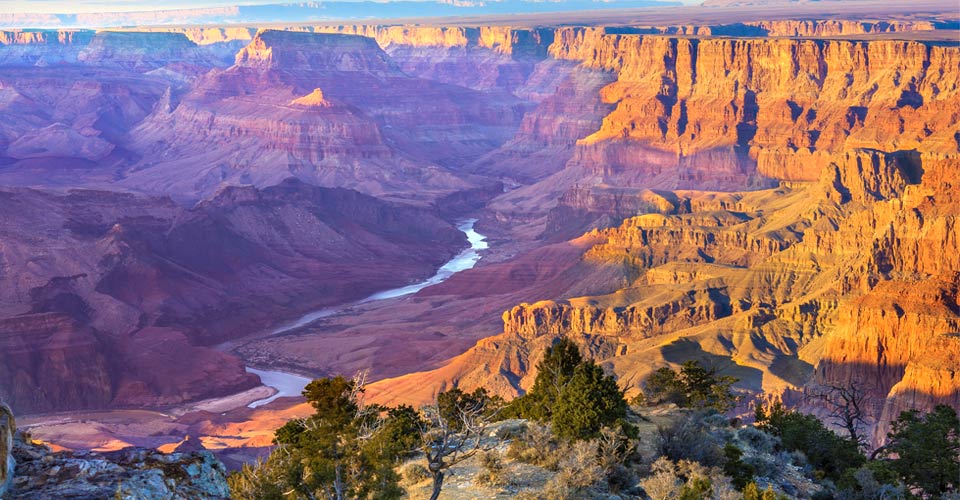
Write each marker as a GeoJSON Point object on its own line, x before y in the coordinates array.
{"type": "Point", "coordinates": [774, 197]}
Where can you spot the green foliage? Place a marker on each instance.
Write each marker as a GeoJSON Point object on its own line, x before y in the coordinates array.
{"type": "Point", "coordinates": [752, 492]}
{"type": "Point", "coordinates": [263, 480]}
{"type": "Point", "coordinates": [415, 473]}
{"type": "Point", "coordinates": [344, 450]}
{"type": "Point", "coordinates": [397, 437]}
{"type": "Point", "coordinates": [663, 386]}
{"type": "Point", "coordinates": [697, 488]}
{"type": "Point", "coordinates": [693, 387]}
{"type": "Point", "coordinates": [573, 394]}
{"type": "Point", "coordinates": [453, 403]}
{"type": "Point", "coordinates": [537, 446]}
{"type": "Point", "coordinates": [926, 450]}
{"type": "Point", "coordinates": [332, 399]}
{"type": "Point", "coordinates": [739, 472]}
{"type": "Point", "coordinates": [872, 481]}
{"type": "Point", "coordinates": [554, 371]}
{"type": "Point", "coordinates": [587, 403]}
{"type": "Point", "coordinates": [831, 454]}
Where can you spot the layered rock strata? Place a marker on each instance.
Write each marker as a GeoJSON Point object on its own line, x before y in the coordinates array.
{"type": "Point", "coordinates": [849, 280]}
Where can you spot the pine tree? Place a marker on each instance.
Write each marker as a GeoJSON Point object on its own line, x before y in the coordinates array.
{"type": "Point", "coordinates": [553, 372]}
{"type": "Point", "coordinates": [927, 449]}
{"type": "Point", "coordinates": [590, 401]}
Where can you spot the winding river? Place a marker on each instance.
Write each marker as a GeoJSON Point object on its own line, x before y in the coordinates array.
{"type": "Point", "coordinates": [289, 384]}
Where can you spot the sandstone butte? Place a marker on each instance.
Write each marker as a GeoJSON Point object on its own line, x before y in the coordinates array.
{"type": "Point", "coordinates": [783, 208]}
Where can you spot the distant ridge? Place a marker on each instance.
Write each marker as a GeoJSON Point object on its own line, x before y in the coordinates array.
{"type": "Point", "coordinates": [310, 11]}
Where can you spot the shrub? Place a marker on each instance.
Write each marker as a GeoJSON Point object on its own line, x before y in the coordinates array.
{"type": "Point", "coordinates": [688, 438]}
{"type": "Point", "coordinates": [829, 453]}
{"type": "Point", "coordinates": [663, 482]}
{"type": "Point", "coordinates": [621, 479]}
{"type": "Point", "coordinates": [752, 492]}
{"type": "Point", "coordinates": [696, 488]}
{"type": "Point", "coordinates": [757, 439]}
{"type": "Point", "coordinates": [927, 450]}
{"type": "Point", "coordinates": [739, 472]}
{"type": "Point", "coordinates": [491, 473]}
{"type": "Point", "coordinates": [259, 481]}
{"type": "Point", "coordinates": [693, 387]}
{"type": "Point", "coordinates": [579, 469]}
{"type": "Point", "coordinates": [415, 473]}
{"type": "Point", "coordinates": [341, 435]}
{"type": "Point", "coordinates": [574, 395]}
{"type": "Point", "coordinates": [763, 465]}
{"type": "Point", "coordinates": [590, 401]}
{"type": "Point", "coordinates": [535, 446]}
{"type": "Point", "coordinates": [554, 371]}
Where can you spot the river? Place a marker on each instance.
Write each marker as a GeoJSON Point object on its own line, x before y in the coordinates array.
{"type": "Point", "coordinates": [289, 384]}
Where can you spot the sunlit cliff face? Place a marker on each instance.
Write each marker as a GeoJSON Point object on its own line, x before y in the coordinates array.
{"type": "Point", "coordinates": [775, 197]}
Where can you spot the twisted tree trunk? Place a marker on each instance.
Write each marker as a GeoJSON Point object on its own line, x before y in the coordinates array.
{"type": "Point", "coordinates": [437, 484]}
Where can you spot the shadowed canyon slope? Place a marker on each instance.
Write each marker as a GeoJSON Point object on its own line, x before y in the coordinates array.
{"type": "Point", "coordinates": [109, 298]}
{"type": "Point", "coordinates": [776, 197]}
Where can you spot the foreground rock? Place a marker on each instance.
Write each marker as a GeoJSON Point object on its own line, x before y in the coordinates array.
{"type": "Point", "coordinates": [130, 473]}
{"type": "Point", "coordinates": [7, 427]}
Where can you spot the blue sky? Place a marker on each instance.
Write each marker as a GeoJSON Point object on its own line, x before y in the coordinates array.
{"type": "Point", "coordinates": [73, 6]}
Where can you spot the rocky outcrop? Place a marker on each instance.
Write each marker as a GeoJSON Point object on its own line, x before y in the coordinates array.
{"type": "Point", "coordinates": [131, 473]}
{"type": "Point", "coordinates": [481, 58]}
{"type": "Point", "coordinates": [296, 51]}
{"type": "Point", "coordinates": [59, 140]}
{"type": "Point", "coordinates": [8, 428]}
{"type": "Point", "coordinates": [582, 209]}
{"type": "Point", "coordinates": [835, 27]}
{"type": "Point", "coordinates": [313, 99]}
{"type": "Point", "coordinates": [42, 47]}
{"type": "Point", "coordinates": [896, 334]}
{"type": "Point", "coordinates": [209, 35]}
{"type": "Point", "coordinates": [735, 113]}
{"type": "Point", "coordinates": [141, 51]}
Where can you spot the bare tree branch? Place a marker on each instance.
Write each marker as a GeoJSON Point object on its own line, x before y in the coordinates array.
{"type": "Point", "coordinates": [846, 407]}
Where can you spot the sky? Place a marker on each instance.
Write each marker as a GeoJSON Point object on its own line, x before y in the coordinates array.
{"type": "Point", "coordinates": [76, 6]}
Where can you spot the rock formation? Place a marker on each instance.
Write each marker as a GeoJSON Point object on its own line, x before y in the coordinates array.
{"type": "Point", "coordinates": [775, 197]}
{"type": "Point", "coordinates": [8, 428]}
{"type": "Point", "coordinates": [130, 474]}
{"type": "Point", "coordinates": [379, 143]}
{"type": "Point", "coordinates": [852, 279]}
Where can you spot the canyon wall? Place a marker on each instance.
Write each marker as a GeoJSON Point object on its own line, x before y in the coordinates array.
{"type": "Point", "coordinates": [113, 299]}
{"type": "Point", "coordinates": [849, 280]}
{"type": "Point", "coordinates": [716, 108]}
{"type": "Point", "coordinates": [782, 208]}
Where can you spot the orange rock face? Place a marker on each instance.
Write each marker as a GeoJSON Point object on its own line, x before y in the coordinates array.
{"type": "Point", "coordinates": [854, 278]}
{"type": "Point", "coordinates": [717, 107]}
